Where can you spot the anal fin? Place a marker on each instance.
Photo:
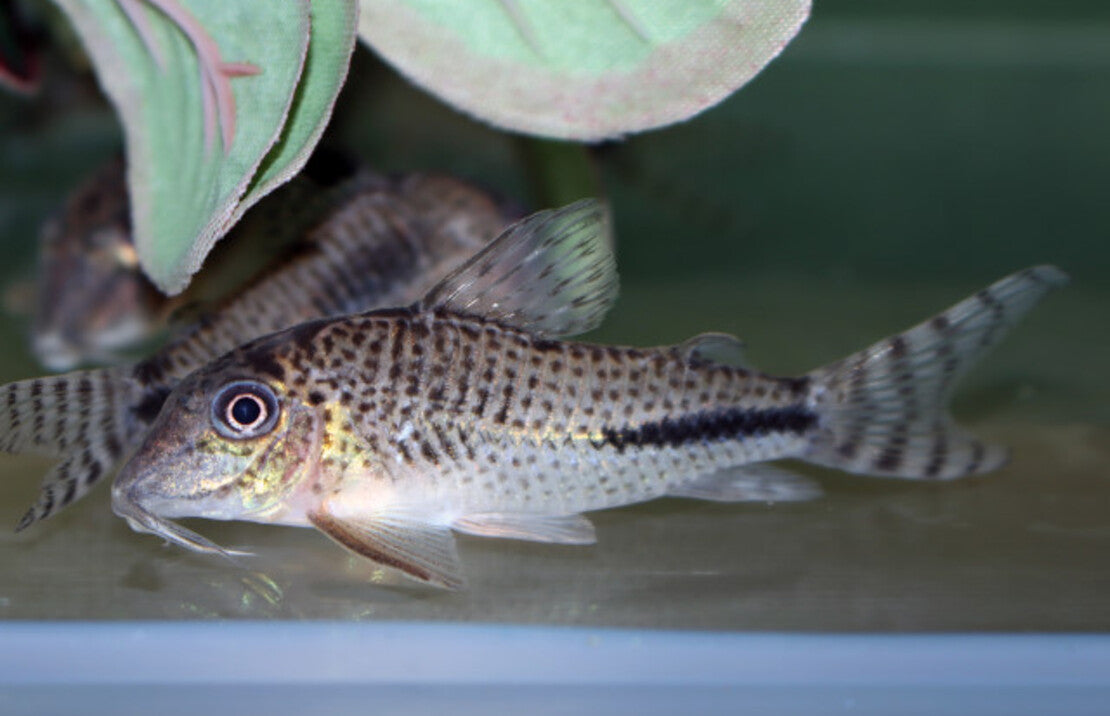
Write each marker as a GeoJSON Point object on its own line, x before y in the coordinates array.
{"type": "Point", "coordinates": [426, 552]}
{"type": "Point", "coordinates": [557, 529]}
{"type": "Point", "coordinates": [749, 483]}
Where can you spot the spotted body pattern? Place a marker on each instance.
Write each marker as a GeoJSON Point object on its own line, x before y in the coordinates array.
{"type": "Point", "coordinates": [485, 417]}
{"type": "Point", "coordinates": [373, 250]}
{"type": "Point", "coordinates": [390, 429]}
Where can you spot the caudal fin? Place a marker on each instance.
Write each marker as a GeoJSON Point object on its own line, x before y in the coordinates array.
{"type": "Point", "coordinates": [883, 411]}
{"type": "Point", "coordinates": [83, 418]}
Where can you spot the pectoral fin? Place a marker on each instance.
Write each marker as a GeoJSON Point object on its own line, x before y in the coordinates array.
{"type": "Point", "coordinates": [560, 529]}
{"type": "Point", "coordinates": [425, 552]}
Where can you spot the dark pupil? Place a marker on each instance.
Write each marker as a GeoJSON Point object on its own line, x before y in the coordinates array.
{"type": "Point", "coordinates": [246, 410]}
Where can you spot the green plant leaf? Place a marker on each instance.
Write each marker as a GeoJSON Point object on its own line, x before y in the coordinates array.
{"type": "Point", "coordinates": [334, 29]}
{"type": "Point", "coordinates": [197, 162]}
{"type": "Point", "coordinates": [184, 188]}
{"type": "Point", "coordinates": [587, 69]}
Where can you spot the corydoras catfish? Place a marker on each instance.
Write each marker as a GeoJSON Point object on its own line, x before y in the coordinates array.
{"type": "Point", "coordinates": [386, 244]}
{"type": "Point", "coordinates": [91, 300]}
{"type": "Point", "coordinates": [93, 303]}
{"type": "Point", "coordinates": [466, 412]}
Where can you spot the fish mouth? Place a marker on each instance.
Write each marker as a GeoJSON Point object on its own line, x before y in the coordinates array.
{"type": "Point", "coordinates": [142, 520]}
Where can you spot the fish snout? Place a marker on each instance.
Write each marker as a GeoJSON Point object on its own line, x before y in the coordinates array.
{"type": "Point", "coordinates": [130, 502]}
{"type": "Point", "coordinates": [129, 491]}
{"type": "Point", "coordinates": [155, 479]}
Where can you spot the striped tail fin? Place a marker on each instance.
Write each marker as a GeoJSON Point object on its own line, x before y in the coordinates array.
{"type": "Point", "coordinates": [84, 418]}
{"type": "Point", "coordinates": [883, 411]}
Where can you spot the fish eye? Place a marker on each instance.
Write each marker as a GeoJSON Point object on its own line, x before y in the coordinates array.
{"type": "Point", "coordinates": [245, 409]}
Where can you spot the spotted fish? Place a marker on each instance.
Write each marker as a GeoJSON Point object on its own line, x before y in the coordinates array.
{"type": "Point", "coordinates": [387, 244]}
{"type": "Point", "coordinates": [466, 412]}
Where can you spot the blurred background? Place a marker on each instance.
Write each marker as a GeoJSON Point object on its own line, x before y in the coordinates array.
{"type": "Point", "coordinates": [898, 156]}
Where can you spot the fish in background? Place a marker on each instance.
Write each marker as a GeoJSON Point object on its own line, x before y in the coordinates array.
{"type": "Point", "coordinates": [385, 243]}
{"type": "Point", "coordinates": [92, 303]}
{"type": "Point", "coordinates": [467, 412]}
{"type": "Point", "coordinates": [91, 299]}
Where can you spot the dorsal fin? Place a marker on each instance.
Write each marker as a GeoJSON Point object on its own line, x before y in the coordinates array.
{"type": "Point", "coordinates": [552, 273]}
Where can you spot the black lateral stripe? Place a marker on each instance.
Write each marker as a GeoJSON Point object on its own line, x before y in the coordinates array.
{"type": "Point", "coordinates": [728, 424]}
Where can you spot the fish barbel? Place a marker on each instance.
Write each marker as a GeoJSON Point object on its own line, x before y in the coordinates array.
{"type": "Point", "coordinates": [465, 412]}
{"type": "Point", "coordinates": [385, 244]}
